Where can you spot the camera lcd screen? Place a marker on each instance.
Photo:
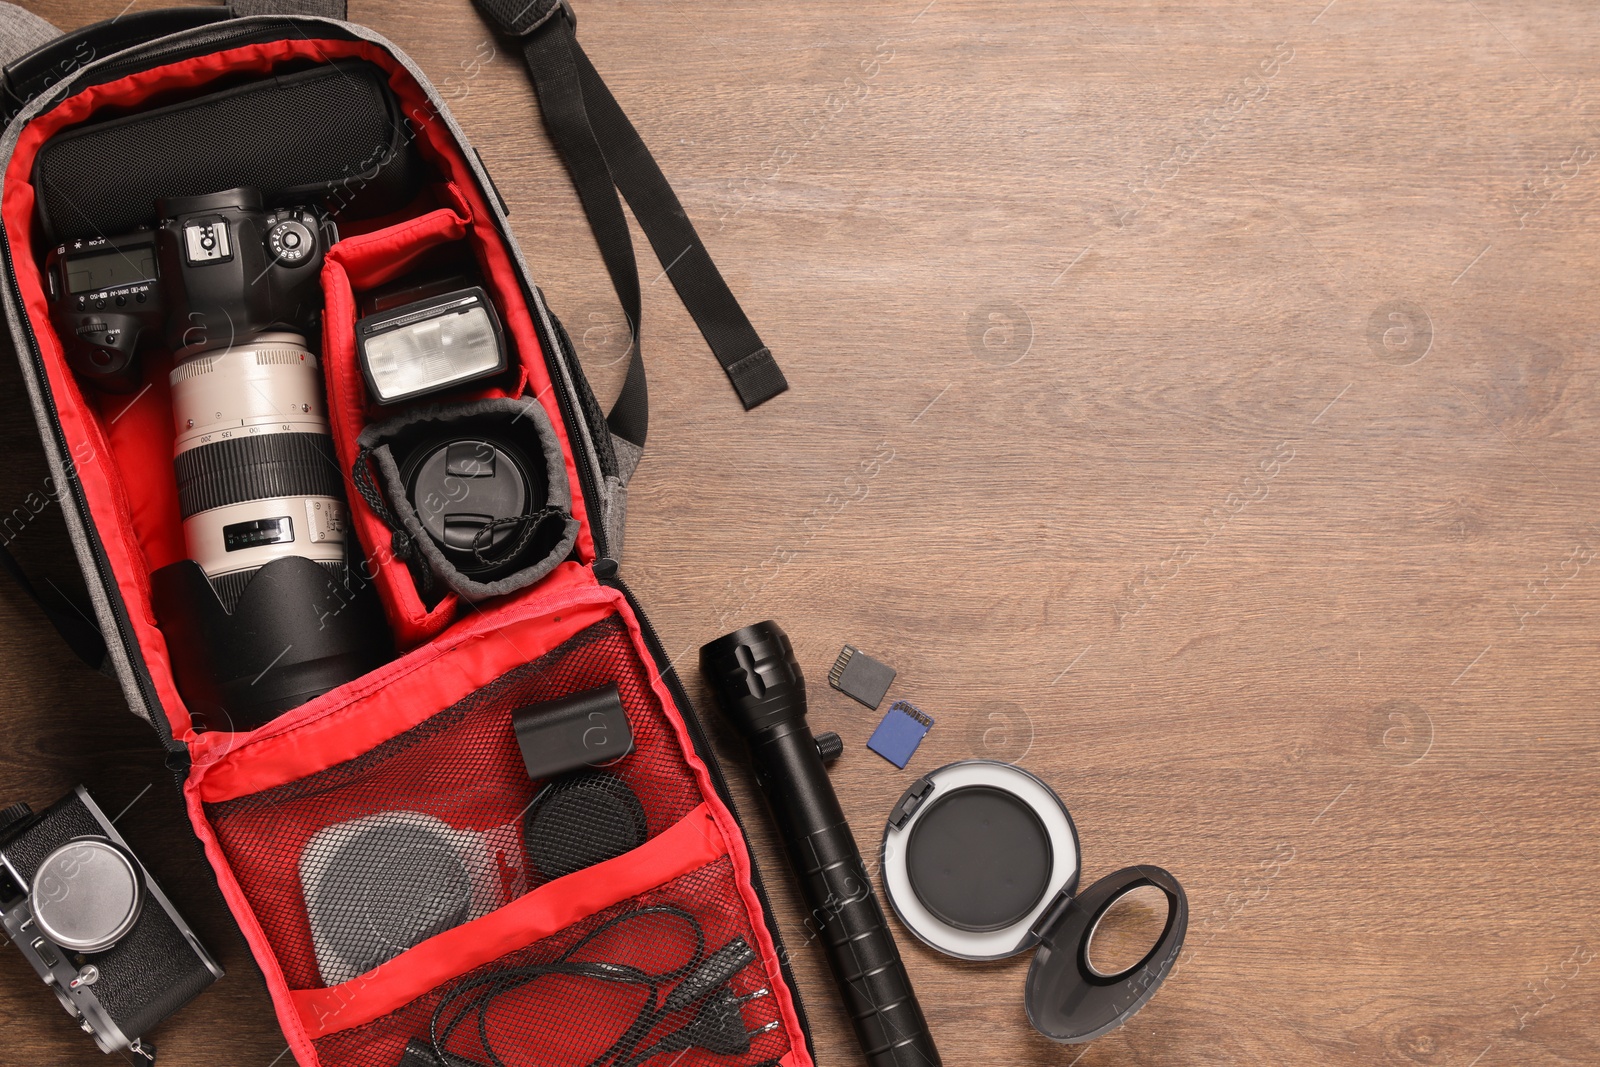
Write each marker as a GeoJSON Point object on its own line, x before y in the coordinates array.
{"type": "Point", "coordinates": [89, 273]}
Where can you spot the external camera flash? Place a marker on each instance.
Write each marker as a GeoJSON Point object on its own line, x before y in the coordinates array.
{"type": "Point", "coordinates": [431, 345]}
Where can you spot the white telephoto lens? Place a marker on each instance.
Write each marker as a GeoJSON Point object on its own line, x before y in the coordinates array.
{"type": "Point", "coordinates": [257, 474]}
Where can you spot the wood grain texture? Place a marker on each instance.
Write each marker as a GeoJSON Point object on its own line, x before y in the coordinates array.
{"type": "Point", "coordinates": [1195, 402]}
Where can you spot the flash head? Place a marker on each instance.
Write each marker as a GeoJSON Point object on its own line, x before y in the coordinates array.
{"type": "Point", "coordinates": [431, 345]}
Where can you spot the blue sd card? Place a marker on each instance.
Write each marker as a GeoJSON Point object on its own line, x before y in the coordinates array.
{"type": "Point", "coordinates": [901, 731]}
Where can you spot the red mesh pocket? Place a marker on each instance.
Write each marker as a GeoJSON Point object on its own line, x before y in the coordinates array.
{"type": "Point", "coordinates": [657, 979]}
{"type": "Point", "coordinates": [348, 867]}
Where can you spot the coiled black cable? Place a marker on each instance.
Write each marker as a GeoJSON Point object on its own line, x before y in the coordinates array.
{"type": "Point", "coordinates": [718, 1021]}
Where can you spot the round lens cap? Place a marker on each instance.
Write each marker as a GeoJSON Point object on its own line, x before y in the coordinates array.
{"type": "Point", "coordinates": [383, 883]}
{"type": "Point", "coordinates": [582, 820]}
{"type": "Point", "coordinates": [974, 853]}
{"type": "Point", "coordinates": [979, 859]}
{"type": "Point", "coordinates": [86, 895]}
{"type": "Point", "coordinates": [462, 487]}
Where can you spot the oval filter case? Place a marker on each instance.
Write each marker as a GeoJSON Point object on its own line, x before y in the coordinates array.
{"type": "Point", "coordinates": [980, 861]}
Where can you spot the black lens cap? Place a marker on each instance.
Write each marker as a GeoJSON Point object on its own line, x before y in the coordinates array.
{"type": "Point", "coordinates": [468, 493]}
{"type": "Point", "coordinates": [980, 858]}
{"type": "Point", "coordinates": [580, 820]}
{"type": "Point", "coordinates": [974, 853]}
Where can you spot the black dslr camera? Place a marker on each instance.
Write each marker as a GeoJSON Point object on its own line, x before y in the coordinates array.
{"type": "Point", "coordinates": [233, 291]}
{"type": "Point", "coordinates": [94, 924]}
{"type": "Point", "coordinates": [218, 270]}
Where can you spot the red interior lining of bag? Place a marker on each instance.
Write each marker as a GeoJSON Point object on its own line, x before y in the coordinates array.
{"type": "Point", "coordinates": [399, 696]}
{"type": "Point", "coordinates": [459, 770]}
{"type": "Point", "coordinates": [382, 256]}
{"type": "Point", "coordinates": [446, 672]}
{"type": "Point", "coordinates": [570, 1020]}
{"type": "Point", "coordinates": [138, 538]}
{"type": "Point", "coordinates": [363, 263]}
{"type": "Point", "coordinates": [688, 846]}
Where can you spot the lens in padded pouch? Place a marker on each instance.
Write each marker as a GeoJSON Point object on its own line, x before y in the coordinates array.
{"type": "Point", "coordinates": [476, 493]}
{"type": "Point", "coordinates": [476, 499]}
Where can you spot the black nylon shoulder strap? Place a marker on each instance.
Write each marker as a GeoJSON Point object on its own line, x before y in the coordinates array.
{"type": "Point", "coordinates": [605, 155]}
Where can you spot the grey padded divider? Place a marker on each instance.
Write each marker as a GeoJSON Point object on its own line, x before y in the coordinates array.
{"type": "Point", "coordinates": [21, 31]}
{"type": "Point", "coordinates": [615, 492]}
{"type": "Point", "coordinates": [375, 439]}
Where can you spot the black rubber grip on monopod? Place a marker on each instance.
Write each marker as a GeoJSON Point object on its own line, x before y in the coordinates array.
{"type": "Point", "coordinates": [761, 690]}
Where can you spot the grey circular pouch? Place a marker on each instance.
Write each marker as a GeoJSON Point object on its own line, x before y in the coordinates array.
{"type": "Point", "coordinates": [546, 535]}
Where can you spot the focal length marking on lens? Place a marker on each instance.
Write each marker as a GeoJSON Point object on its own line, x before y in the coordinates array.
{"type": "Point", "coordinates": [241, 469]}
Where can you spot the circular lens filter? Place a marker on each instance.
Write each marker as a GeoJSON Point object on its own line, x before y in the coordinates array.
{"type": "Point", "coordinates": [974, 853]}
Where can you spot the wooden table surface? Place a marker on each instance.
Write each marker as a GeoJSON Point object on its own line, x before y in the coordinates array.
{"type": "Point", "coordinates": [1196, 403]}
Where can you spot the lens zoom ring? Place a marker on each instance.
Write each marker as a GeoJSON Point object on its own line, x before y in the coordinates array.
{"type": "Point", "coordinates": [259, 467]}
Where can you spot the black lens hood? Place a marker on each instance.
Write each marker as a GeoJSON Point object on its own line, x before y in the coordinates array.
{"type": "Point", "coordinates": [296, 632]}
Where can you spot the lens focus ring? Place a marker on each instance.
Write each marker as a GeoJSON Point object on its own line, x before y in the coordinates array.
{"type": "Point", "coordinates": [261, 467]}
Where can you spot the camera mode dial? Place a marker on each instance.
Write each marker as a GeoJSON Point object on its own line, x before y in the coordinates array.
{"type": "Point", "coordinates": [291, 241]}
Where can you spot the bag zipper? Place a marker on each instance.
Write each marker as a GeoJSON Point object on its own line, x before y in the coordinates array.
{"type": "Point", "coordinates": [605, 571]}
